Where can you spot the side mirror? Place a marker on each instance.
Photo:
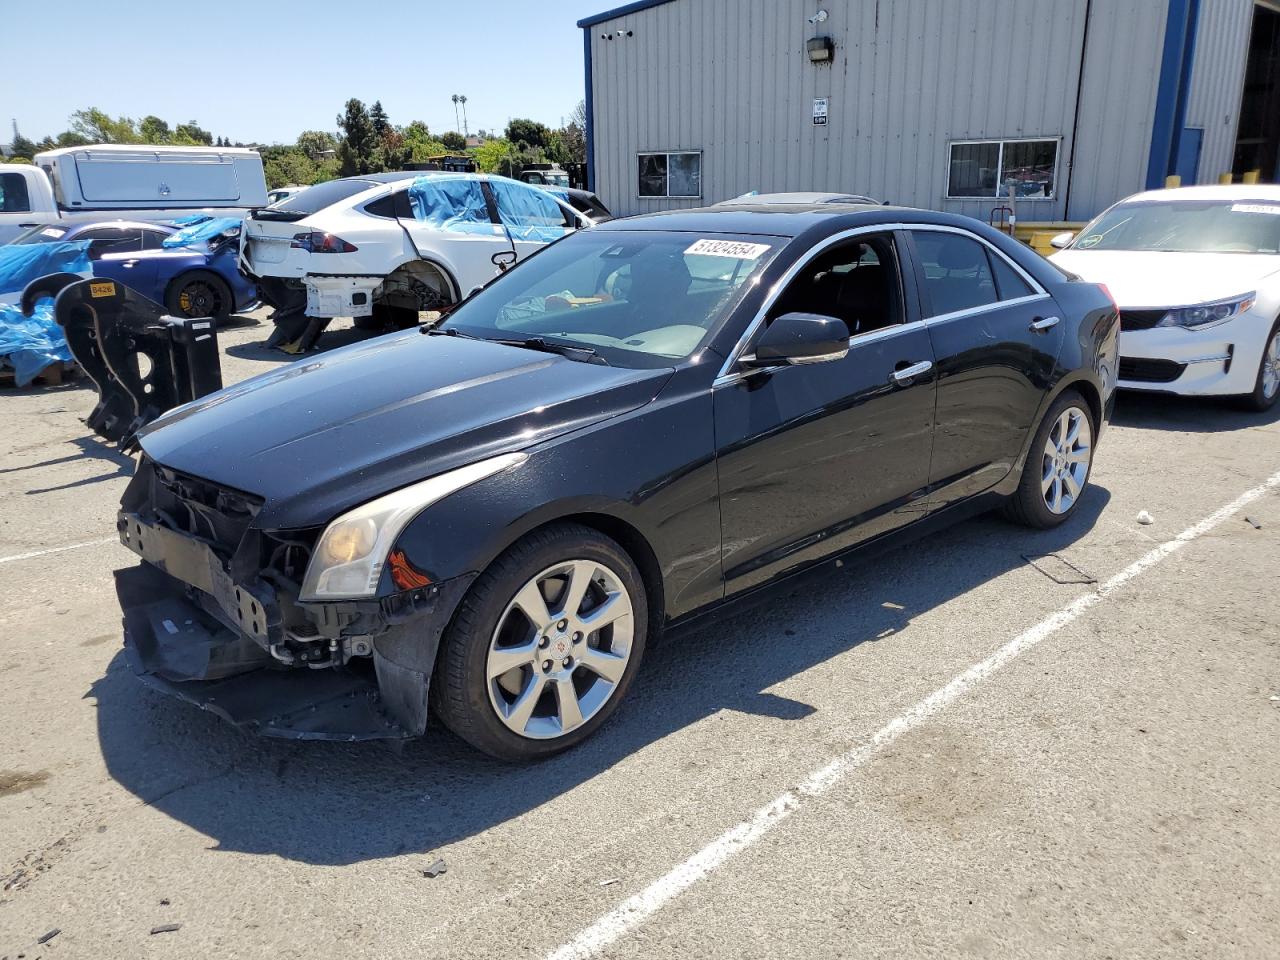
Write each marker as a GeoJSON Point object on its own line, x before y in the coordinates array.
{"type": "Point", "coordinates": [795, 338]}
{"type": "Point", "coordinates": [1062, 240]}
{"type": "Point", "coordinates": [504, 259]}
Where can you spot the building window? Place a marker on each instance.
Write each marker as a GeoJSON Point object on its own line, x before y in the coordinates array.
{"type": "Point", "coordinates": [670, 174]}
{"type": "Point", "coordinates": [984, 169]}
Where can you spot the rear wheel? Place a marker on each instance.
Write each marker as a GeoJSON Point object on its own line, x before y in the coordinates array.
{"type": "Point", "coordinates": [1058, 465]}
{"type": "Point", "coordinates": [1266, 389]}
{"type": "Point", "coordinates": [544, 646]}
{"type": "Point", "coordinates": [199, 293]}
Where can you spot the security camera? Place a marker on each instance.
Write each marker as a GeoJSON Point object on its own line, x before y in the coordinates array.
{"type": "Point", "coordinates": [819, 17]}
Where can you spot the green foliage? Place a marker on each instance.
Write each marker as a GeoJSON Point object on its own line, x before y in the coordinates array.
{"type": "Point", "coordinates": [191, 134]}
{"type": "Point", "coordinates": [528, 134]}
{"type": "Point", "coordinates": [357, 150]}
{"type": "Point", "coordinates": [95, 126]}
{"type": "Point", "coordinates": [317, 144]}
{"type": "Point", "coordinates": [154, 130]}
{"type": "Point", "coordinates": [420, 143]}
{"type": "Point", "coordinates": [22, 147]}
{"type": "Point", "coordinates": [378, 117]}
{"type": "Point", "coordinates": [15, 159]}
{"type": "Point", "coordinates": [453, 141]}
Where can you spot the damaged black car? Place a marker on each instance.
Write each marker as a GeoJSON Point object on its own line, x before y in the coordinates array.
{"type": "Point", "coordinates": [639, 425]}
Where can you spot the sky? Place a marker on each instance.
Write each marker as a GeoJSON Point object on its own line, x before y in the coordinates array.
{"type": "Point", "coordinates": [265, 71]}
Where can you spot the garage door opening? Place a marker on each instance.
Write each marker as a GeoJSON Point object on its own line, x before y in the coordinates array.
{"type": "Point", "coordinates": [1258, 138]}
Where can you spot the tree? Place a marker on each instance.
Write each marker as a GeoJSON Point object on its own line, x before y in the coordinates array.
{"type": "Point", "coordinates": [192, 134]}
{"type": "Point", "coordinates": [317, 144]}
{"type": "Point", "coordinates": [154, 130]}
{"type": "Point", "coordinates": [528, 134]}
{"type": "Point", "coordinates": [95, 126]}
{"type": "Point", "coordinates": [419, 142]}
{"type": "Point", "coordinates": [500, 155]}
{"type": "Point", "coordinates": [378, 117]}
{"type": "Point", "coordinates": [358, 149]}
{"type": "Point", "coordinates": [453, 140]}
{"type": "Point", "coordinates": [22, 147]}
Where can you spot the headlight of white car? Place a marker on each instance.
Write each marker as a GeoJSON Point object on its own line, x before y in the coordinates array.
{"type": "Point", "coordinates": [349, 555]}
{"type": "Point", "coordinates": [1203, 314]}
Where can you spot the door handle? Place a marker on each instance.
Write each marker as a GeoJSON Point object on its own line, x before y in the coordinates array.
{"type": "Point", "coordinates": [1041, 324]}
{"type": "Point", "coordinates": [907, 374]}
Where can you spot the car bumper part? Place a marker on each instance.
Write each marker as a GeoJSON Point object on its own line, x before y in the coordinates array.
{"type": "Point", "coordinates": [341, 296]}
{"type": "Point", "coordinates": [1219, 360]}
{"type": "Point", "coordinates": [227, 644]}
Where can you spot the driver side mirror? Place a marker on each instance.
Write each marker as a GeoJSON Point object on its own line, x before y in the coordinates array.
{"type": "Point", "coordinates": [1062, 240]}
{"type": "Point", "coordinates": [796, 338]}
{"type": "Point", "coordinates": [504, 259]}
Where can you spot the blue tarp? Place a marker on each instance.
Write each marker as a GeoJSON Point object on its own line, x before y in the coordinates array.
{"type": "Point", "coordinates": [529, 213]}
{"type": "Point", "coordinates": [29, 344]}
{"type": "Point", "coordinates": [201, 232]}
{"type": "Point", "coordinates": [189, 219]}
{"type": "Point", "coordinates": [23, 262]}
{"type": "Point", "coordinates": [450, 202]}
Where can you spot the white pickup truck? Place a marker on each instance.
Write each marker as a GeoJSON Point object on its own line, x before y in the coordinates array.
{"type": "Point", "coordinates": [135, 182]}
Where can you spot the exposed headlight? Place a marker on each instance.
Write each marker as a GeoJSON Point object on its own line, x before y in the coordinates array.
{"type": "Point", "coordinates": [347, 561]}
{"type": "Point", "coordinates": [1205, 313]}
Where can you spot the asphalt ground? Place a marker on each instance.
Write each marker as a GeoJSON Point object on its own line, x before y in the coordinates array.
{"type": "Point", "coordinates": [950, 750]}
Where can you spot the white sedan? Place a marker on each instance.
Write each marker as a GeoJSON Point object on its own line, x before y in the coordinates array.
{"type": "Point", "coordinates": [1195, 272]}
{"type": "Point", "coordinates": [385, 246]}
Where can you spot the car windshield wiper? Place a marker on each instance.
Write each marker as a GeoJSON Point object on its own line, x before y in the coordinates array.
{"type": "Point", "coordinates": [568, 350]}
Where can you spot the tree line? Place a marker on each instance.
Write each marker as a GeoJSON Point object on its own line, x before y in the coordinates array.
{"type": "Point", "coordinates": [364, 141]}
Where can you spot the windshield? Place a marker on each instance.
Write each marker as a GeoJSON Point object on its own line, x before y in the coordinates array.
{"type": "Point", "coordinates": [314, 199]}
{"type": "Point", "coordinates": [638, 299]}
{"type": "Point", "coordinates": [41, 235]}
{"type": "Point", "coordinates": [1185, 226]}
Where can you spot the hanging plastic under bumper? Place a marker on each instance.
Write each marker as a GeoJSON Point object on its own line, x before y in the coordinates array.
{"type": "Point", "coordinates": [108, 327]}
{"type": "Point", "coordinates": [177, 647]}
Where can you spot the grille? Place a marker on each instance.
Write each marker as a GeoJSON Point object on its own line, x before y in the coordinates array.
{"type": "Point", "coordinates": [218, 515]}
{"type": "Point", "coordinates": [1140, 319]}
{"type": "Point", "coordinates": [1150, 371]}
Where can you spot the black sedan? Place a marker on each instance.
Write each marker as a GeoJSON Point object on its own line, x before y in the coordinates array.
{"type": "Point", "coordinates": [643, 423]}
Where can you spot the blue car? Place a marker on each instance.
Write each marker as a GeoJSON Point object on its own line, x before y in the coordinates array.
{"type": "Point", "coordinates": [198, 279]}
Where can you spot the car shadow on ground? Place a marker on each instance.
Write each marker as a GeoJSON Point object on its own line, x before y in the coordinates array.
{"type": "Point", "coordinates": [325, 803]}
{"type": "Point", "coordinates": [1166, 411]}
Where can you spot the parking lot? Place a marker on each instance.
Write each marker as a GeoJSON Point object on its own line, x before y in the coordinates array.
{"type": "Point", "coordinates": [951, 750]}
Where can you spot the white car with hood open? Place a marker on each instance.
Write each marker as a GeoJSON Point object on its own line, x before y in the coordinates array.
{"type": "Point", "coordinates": [388, 245]}
{"type": "Point", "coordinates": [1195, 272]}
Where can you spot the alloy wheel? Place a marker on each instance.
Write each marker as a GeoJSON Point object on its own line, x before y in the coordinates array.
{"type": "Point", "coordinates": [1065, 465]}
{"type": "Point", "coordinates": [1271, 367]}
{"type": "Point", "coordinates": [560, 649]}
{"type": "Point", "coordinates": [200, 299]}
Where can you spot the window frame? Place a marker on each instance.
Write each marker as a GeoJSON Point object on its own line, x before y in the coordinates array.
{"type": "Point", "coordinates": [668, 154]}
{"type": "Point", "coordinates": [24, 192]}
{"type": "Point", "coordinates": [1000, 143]}
{"type": "Point", "coordinates": [926, 300]}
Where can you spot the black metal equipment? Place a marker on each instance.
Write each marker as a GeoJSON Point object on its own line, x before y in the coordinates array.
{"type": "Point", "coordinates": [108, 328]}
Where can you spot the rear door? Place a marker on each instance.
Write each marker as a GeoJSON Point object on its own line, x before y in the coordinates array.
{"type": "Point", "coordinates": [531, 216]}
{"type": "Point", "coordinates": [114, 252]}
{"type": "Point", "coordinates": [996, 335]}
{"type": "Point", "coordinates": [819, 457]}
{"type": "Point", "coordinates": [451, 222]}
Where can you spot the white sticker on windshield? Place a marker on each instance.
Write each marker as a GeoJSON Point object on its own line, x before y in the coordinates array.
{"type": "Point", "coordinates": [728, 248]}
{"type": "Point", "coordinates": [1272, 209]}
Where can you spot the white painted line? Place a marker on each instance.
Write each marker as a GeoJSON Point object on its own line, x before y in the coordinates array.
{"type": "Point", "coordinates": [70, 546]}
{"type": "Point", "coordinates": [631, 913]}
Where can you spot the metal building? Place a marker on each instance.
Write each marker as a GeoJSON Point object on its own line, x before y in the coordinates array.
{"type": "Point", "coordinates": [1072, 104]}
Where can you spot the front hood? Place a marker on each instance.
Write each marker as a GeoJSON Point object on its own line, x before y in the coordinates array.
{"type": "Point", "coordinates": [1143, 279]}
{"type": "Point", "coordinates": [317, 437]}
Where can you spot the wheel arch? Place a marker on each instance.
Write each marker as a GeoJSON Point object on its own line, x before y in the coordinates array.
{"type": "Point", "coordinates": [434, 263]}
{"type": "Point", "coordinates": [1081, 383]}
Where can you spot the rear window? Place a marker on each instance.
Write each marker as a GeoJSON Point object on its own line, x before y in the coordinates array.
{"type": "Point", "coordinates": [314, 199]}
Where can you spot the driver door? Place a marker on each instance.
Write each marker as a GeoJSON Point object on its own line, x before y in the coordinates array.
{"type": "Point", "coordinates": [818, 457]}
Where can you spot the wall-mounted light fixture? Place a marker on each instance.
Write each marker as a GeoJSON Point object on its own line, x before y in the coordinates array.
{"type": "Point", "coordinates": [820, 49]}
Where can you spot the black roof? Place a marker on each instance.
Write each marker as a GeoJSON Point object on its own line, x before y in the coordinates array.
{"type": "Point", "coordinates": [783, 219]}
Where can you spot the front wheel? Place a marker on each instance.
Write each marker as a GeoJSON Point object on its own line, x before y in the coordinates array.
{"type": "Point", "coordinates": [1057, 467]}
{"type": "Point", "coordinates": [1266, 389]}
{"type": "Point", "coordinates": [544, 645]}
{"type": "Point", "coordinates": [199, 293]}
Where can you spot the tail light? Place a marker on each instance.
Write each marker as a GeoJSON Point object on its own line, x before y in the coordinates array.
{"type": "Point", "coordinates": [316, 242]}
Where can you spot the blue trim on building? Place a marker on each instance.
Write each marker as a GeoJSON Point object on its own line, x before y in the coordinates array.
{"type": "Point", "coordinates": [1172, 89]}
{"type": "Point", "coordinates": [623, 10]}
{"type": "Point", "coordinates": [589, 133]}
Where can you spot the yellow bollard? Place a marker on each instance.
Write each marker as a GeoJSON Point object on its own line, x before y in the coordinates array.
{"type": "Point", "coordinates": [1172, 182]}
{"type": "Point", "coordinates": [1226, 178]}
{"type": "Point", "coordinates": [1251, 177]}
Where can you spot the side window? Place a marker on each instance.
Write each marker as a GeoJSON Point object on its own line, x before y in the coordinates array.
{"type": "Point", "coordinates": [957, 273]}
{"type": "Point", "coordinates": [528, 212]}
{"type": "Point", "coordinates": [1008, 281]}
{"type": "Point", "coordinates": [857, 281]}
{"type": "Point", "coordinates": [153, 239]}
{"type": "Point", "coordinates": [13, 193]}
{"type": "Point", "coordinates": [111, 240]}
{"type": "Point", "coordinates": [382, 207]}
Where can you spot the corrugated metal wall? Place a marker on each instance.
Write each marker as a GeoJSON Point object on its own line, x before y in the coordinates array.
{"type": "Point", "coordinates": [731, 78]}
{"type": "Point", "coordinates": [1217, 81]}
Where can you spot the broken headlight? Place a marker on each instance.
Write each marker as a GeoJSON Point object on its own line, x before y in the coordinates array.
{"type": "Point", "coordinates": [347, 561]}
{"type": "Point", "coordinates": [1203, 314]}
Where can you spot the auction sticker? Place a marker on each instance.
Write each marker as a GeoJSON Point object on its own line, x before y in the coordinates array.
{"type": "Point", "coordinates": [728, 248]}
{"type": "Point", "coordinates": [104, 288]}
{"type": "Point", "coordinates": [1270, 208]}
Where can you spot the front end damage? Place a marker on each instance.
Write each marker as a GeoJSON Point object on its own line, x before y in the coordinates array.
{"type": "Point", "coordinates": [212, 616]}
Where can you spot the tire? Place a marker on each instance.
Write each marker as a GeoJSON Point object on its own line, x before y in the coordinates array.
{"type": "Point", "coordinates": [1041, 503]}
{"type": "Point", "coordinates": [1268, 378]}
{"type": "Point", "coordinates": [501, 678]}
{"type": "Point", "coordinates": [206, 295]}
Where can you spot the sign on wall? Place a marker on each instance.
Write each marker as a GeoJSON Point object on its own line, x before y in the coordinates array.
{"type": "Point", "coordinates": [819, 111]}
